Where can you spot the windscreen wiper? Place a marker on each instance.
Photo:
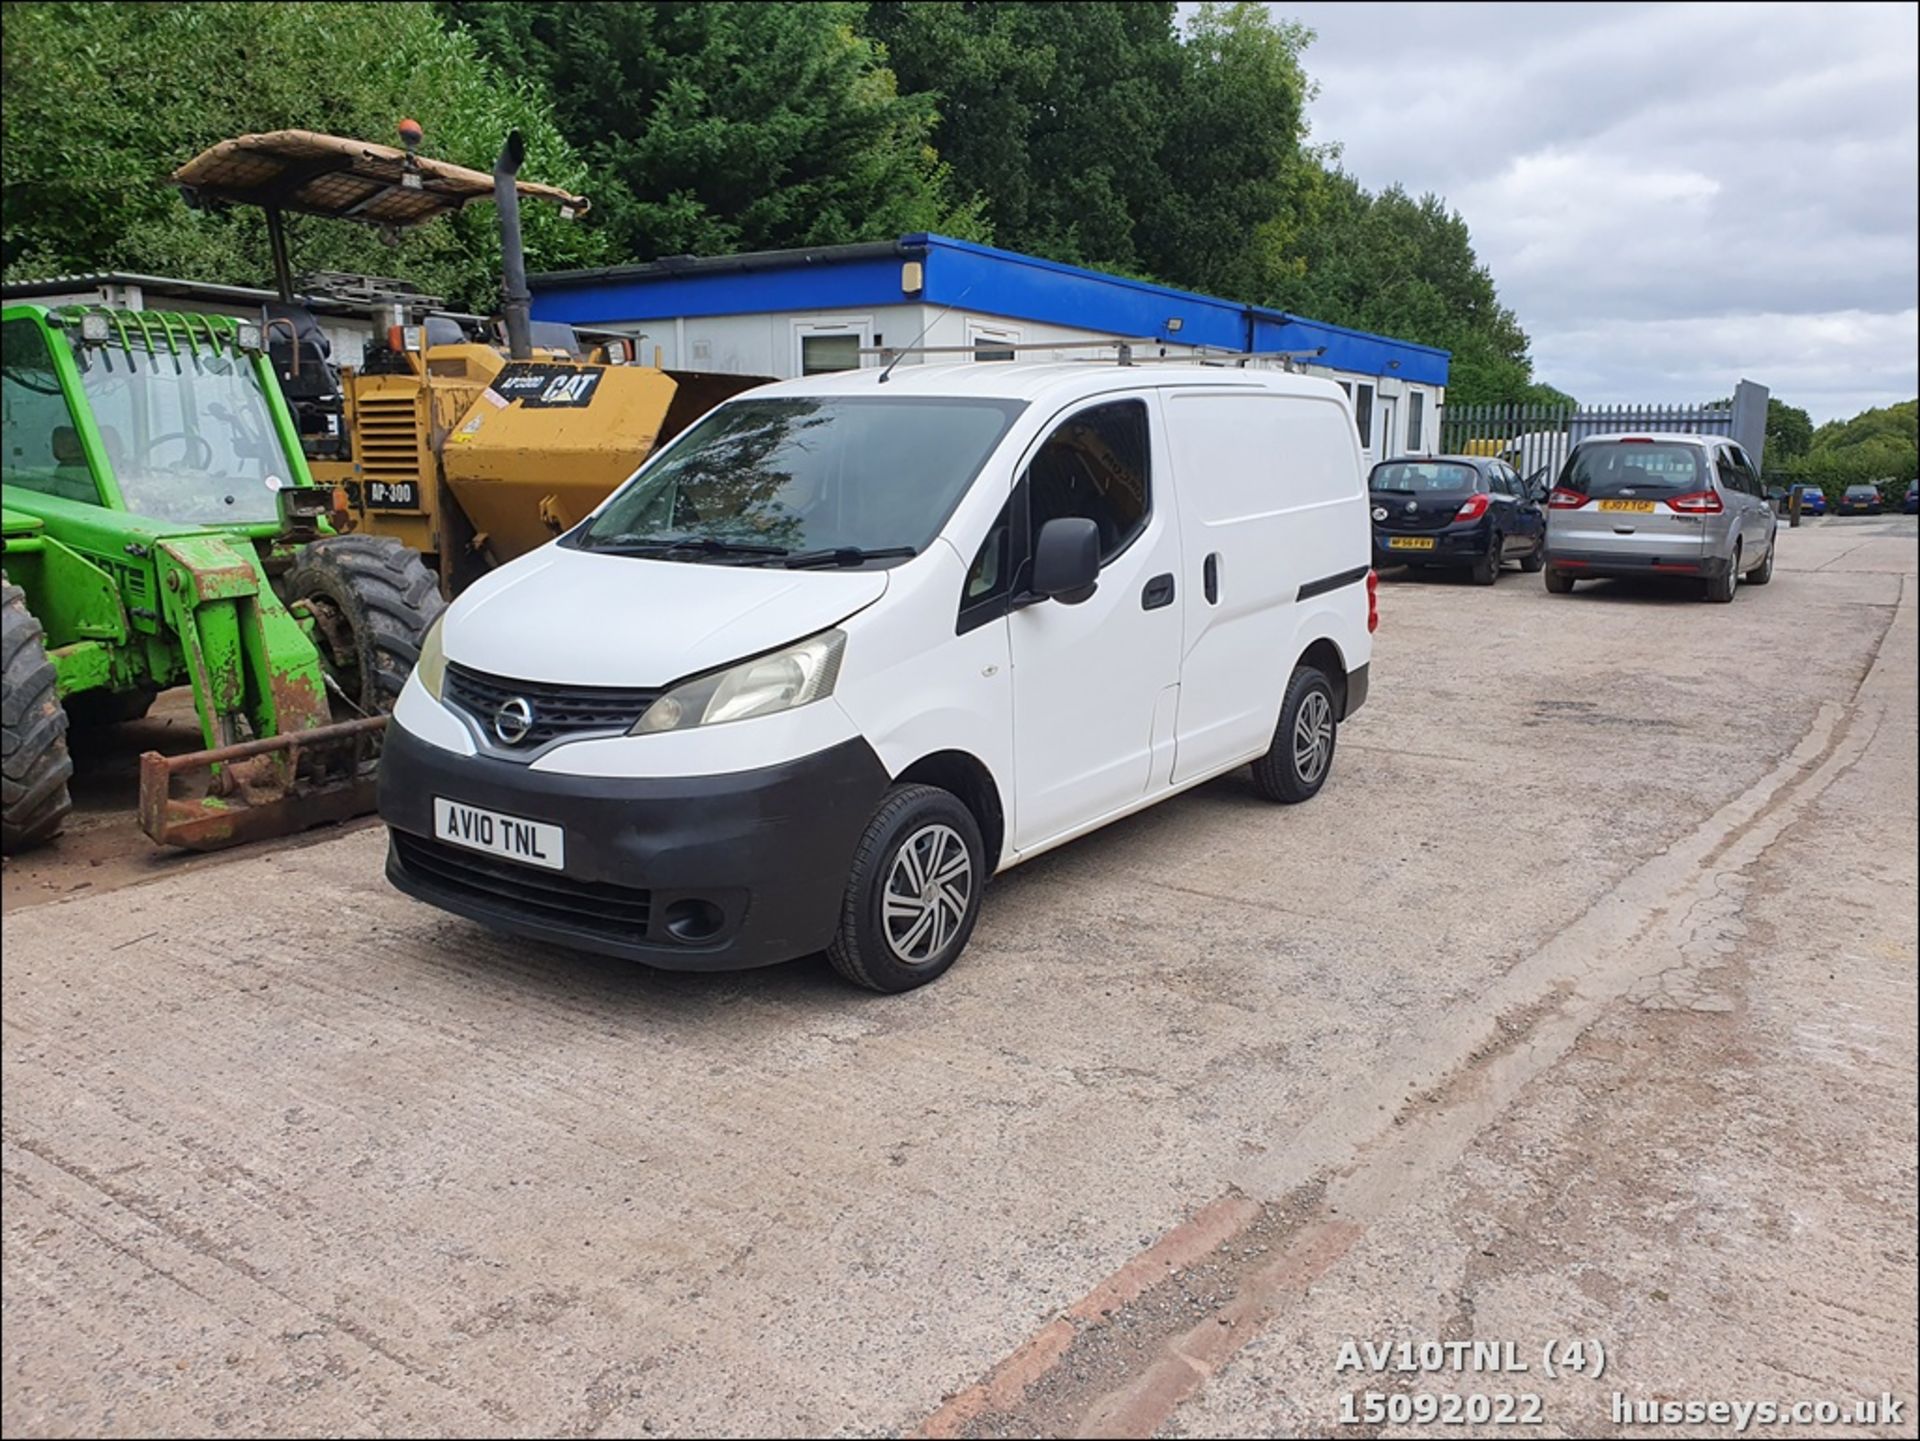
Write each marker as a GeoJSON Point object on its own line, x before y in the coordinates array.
{"type": "Point", "coordinates": [844, 555]}
{"type": "Point", "coordinates": [667, 544]}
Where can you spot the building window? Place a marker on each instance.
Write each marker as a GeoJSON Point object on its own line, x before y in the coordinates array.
{"type": "Point", "coordinates": [1363, 413]}
{"type": "Point", "coordinates": [1095, 465]}
{"type": "Point", "coordinates": [822, 353]}
{"type": "Point", "coordinates": [1416, 402]}
{"type": "Point", "coordinates": [992, 342]}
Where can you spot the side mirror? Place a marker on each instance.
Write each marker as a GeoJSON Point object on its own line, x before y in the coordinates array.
{"type": "Point", "coordinates": [1066, 560]}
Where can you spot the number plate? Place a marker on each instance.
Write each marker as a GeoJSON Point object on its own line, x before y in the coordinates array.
{"type": "Point", "coordinates": [1410, 542]}
{"type": "Point", "coordinates": [532, 843]}
{"type": "Point", "coordinates": [1643, 507]}
{"type": "Point", "coordinates": [394, 494]}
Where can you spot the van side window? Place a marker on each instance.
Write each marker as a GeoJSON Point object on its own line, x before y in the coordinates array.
{"type": "Point", "coordinates": [1095, 465]}
{"type": "Point", "coordinates": [989, 582]}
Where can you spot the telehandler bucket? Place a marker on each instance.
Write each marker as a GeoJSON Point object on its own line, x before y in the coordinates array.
{"type": "Point", "coordinates": [262, 788]}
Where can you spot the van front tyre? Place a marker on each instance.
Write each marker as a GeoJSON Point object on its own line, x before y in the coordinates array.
{"type": "Point", "coordinates": [913, 893]}
{"type": "Point", "coordinates": [34, 764]}
{"type": "Point", "coordinates": [1300, 758]}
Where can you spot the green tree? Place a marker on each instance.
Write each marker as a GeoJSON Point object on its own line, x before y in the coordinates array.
{"type": "Point", "coordinates": [1053, 115]}
{"type": "Point", "coordinates": [103, 101]}
{"type": "Point", "coordinates": [1878, 445]}
{"type": "Point", "coordinates": [1789, 430]}
{"type": "Point", "coordinates": [729, 126]}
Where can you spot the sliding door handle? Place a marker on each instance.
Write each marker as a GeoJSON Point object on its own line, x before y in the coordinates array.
{"type": "Point", "coordinates": [1210, 574]}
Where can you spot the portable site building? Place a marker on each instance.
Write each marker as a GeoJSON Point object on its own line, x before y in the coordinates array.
{"type": "Point", "coordinates": [788, 313]}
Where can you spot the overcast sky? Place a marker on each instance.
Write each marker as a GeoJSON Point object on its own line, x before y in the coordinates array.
{"type": "Point", "coordinates": [1671, 197]}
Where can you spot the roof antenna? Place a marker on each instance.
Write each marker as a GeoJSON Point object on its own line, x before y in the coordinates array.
{"type": "Point", "coordinates": [900, 355]}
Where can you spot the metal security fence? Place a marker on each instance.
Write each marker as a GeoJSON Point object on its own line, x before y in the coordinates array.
{"type": "Point", "coordinates": [1535, 439]}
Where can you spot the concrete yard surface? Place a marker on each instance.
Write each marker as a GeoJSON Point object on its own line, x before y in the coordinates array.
{"type": "Point", "coordinates": [1579, 1006]}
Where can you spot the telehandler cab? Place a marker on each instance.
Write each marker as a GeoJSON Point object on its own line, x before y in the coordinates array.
{"type": "Point", "coordinates": [160, 527]}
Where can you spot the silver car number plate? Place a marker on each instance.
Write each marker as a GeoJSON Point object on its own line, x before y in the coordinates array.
{"type": "Point", "coordinates": [532, 843]}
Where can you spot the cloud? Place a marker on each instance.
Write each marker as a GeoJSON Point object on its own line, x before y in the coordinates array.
{"type": "Point", "coordinates": [1668, 195]}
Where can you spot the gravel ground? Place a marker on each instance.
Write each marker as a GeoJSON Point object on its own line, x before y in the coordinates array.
{"type": "Point", "coordinates": [1581, 1002]}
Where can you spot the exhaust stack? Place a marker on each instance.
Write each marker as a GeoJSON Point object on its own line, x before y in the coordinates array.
{"type": "Point", "coordinates": [517, 299]}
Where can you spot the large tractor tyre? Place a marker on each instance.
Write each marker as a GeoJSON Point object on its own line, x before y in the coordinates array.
{"type": "Point", "coordinates": [34, 764]}
{"type": "Point", "coordinates": [92, 708]}
{"type": "Point", "coordinates": [371, 600]}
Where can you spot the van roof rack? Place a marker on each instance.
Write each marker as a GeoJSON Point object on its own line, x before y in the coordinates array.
{"type": "Point", "coordinates": [1127, 351]}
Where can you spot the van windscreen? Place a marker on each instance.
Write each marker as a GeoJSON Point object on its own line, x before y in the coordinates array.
{"type": "Point", "coordinates": [1422, 477]}
{"type": "Point", "coordinates": [808, 474]}
{"type": "Point", "coordinates": [1632, 467]}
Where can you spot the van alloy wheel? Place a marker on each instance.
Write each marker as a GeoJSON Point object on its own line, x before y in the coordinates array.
{"type": "Point", "coordinates": [1313, 737]}
{"type": "Point", "coordinates": [1300, 756]}
{"type": "Point", "coordinates": [928, 888]}
{"type": "Point", "coordinates": [913, 891]}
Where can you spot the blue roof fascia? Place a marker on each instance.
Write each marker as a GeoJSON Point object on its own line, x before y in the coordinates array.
{"type": "Point", "coordinates": [1025, 287]}
{"type": "Point", "coordinates": [989, 281]}
{"type": "Point", "coordinates": [828, 285]}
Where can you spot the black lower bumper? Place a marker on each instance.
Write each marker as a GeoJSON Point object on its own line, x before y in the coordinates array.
{"type": "Point", "coordinates": [1466, 545]}
{"type": "Point", "coordinates": [1606, 563]}
{"type": "Point", "coordinates": [1356, 691]}
{"type": "Point", "coordinates": [702, 873]}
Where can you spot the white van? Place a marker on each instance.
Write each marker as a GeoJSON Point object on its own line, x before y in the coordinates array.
{"type": "Point", "coordinates": [855, 642]}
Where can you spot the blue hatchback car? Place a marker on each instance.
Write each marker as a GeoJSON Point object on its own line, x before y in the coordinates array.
{"type": "Point", "coordinates": [1813, 500]}
{"type": "Point", "coordinates": [1473, 512]}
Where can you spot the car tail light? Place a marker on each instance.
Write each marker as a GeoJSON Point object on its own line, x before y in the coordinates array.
{"type": "Point", "coordinates": [1373, 601]}
{"type": "Point", "coordinates": [1696, 502]}
{"type": "Point", "coordinates": [1565, 499]}
{"type": "Point", "coordinates": [1475, 507]}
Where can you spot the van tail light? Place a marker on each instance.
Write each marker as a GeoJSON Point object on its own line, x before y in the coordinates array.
{"type": "Point", "coordinates": [1373, 601]}
{"type": "Point", "coordinates": [1475, 507]}
{"type": "Point", "coordinates": [1696, 502]}
{"type": "Point", "coordinates": [1565, 499]}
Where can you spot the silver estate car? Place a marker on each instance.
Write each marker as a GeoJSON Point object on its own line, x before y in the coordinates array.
{"type": "Point", "coordinates": [1674, 505]}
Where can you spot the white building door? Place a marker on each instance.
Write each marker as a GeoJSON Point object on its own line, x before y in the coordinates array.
{"type": "Point", "coordinates": [1389, 444]}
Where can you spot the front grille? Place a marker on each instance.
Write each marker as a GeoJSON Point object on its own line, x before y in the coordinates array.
{"type": "Point", "coordinates": [617, 912]}
{"type": "Point", "coordinates": [559, 711]}
{"type": "Point", "coordinates": [389, 438]}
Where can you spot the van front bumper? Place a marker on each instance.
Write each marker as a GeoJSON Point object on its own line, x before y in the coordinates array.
{"type": "Point", "coordinates": [696, 873]}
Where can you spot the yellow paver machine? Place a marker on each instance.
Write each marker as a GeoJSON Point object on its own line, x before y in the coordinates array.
{"type": "Point", "coordinates": [466, 450]}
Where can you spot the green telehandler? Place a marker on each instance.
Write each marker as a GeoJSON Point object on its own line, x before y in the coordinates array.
{"type": "Point", "coordinates": [160, 528]}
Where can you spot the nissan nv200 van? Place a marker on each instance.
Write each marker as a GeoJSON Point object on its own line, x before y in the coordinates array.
{"type": "Point", "coordinates": [854, 643]}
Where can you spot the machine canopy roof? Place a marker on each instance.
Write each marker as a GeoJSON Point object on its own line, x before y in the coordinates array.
{"type": "Point", "coordinates": [345, 179]}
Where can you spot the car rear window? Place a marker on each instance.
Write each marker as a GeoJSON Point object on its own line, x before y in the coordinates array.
{"type": "Point", "coordinates": [1422, 477]}
{"type": "Point", "coordinates": [1862, 492]}
{"type": "Point", "coordinates": [1614, 467]}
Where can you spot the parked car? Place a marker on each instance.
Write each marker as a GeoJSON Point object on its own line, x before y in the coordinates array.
{"type": "Point", "coordinates": [1471, 511]}
{"type": "Point", "coordinates": [1859, 500]}
{"type": "Point", "coordinates": [1911, 505]}
{"type": "Point", "coordinates": [1675, 505]}
{"type": "Point", "coordinates": [853, 643]}
{"type": "Point", "coordinates": [1813, 500]}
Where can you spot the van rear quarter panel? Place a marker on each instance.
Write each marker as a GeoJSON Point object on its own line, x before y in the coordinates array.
{"type": "Point", "coordinates": [1272, 484]}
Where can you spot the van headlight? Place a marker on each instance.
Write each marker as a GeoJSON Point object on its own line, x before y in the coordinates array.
{"type": "Point", "coordinates": [768, 684]}
{"type": "Point", "coordinates": [432, 665]}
